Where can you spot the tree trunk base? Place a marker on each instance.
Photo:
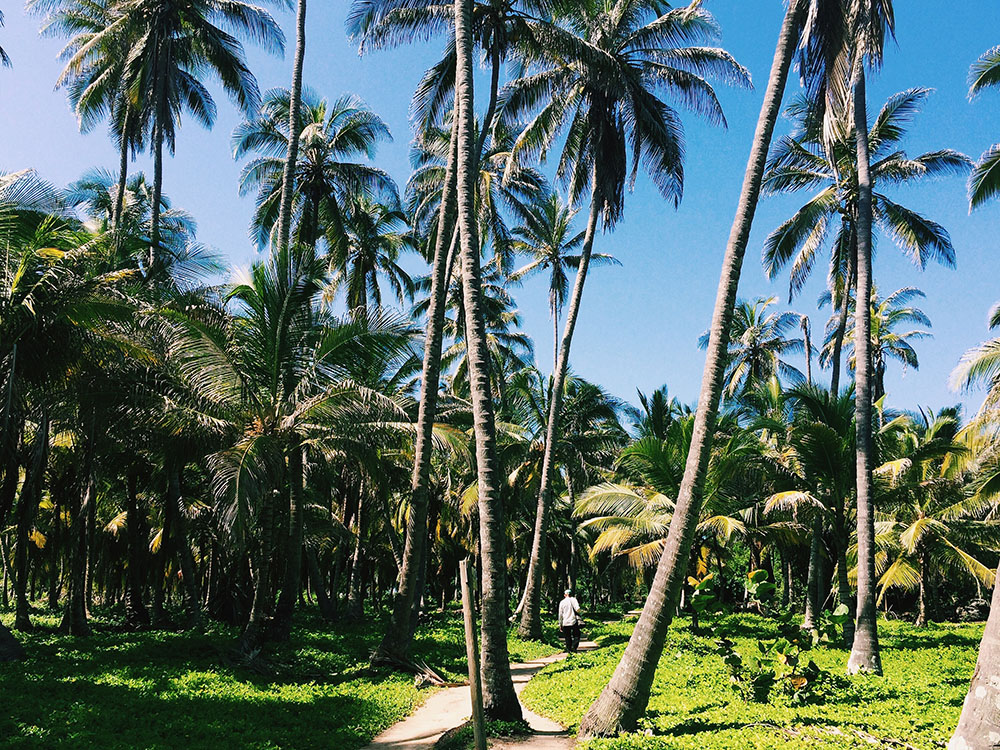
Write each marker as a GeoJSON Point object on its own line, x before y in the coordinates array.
{"type": "Point", "coordinates": [10, 648]}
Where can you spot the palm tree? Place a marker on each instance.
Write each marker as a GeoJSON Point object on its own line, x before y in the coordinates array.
{"type": "Point", "coordinates": [624, 699]}
{"type": "Point", "coordinates": [887, 341]}
{"type": "Point", "coordinates": [981, 366]}
{"type": "Point", "coordinates": [168, 49]}
{"type": "Point", "coordinates": [373, 237]}
{"type": "Point", "coordinates": [933, 527]}
{"type": "Point", "coordinates": [655, 413]}
{"type": "Point", "coordinates": [333, 138]}
{"type": "Point", "coordinates": [499, 700]}
{"type": "Point", "coordinates": [597, 80]}
{"type": "Point", "coordinates": [984, 184]}
{"type": "Point", "coordinates": [546, 237]}
{"type": "Point", "coordinates": [96, 77]}
{"type": "Point", "coordinates": [813, 159]}
{"type": "Point", "coordinates": [294, 106]}
{"type": "Point", "coordinates": [758, 342]}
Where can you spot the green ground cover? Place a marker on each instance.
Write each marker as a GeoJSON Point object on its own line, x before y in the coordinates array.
{"type": "Point", "coordinates": [161, 690]}
{"type": "Point", "coordinates": [693, 705]}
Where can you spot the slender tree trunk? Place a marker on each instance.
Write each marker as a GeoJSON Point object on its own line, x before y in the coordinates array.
{"type": "Point", "coordinates": [979, 724]}
{"type": "Point", "coordinates": [813, 603]}
{"type": "Point", "coordinates": [326, 607]}
{"type": "Point", "coordinates": [922, 596]}
{"type": "Point", "coordinates": [843, 583]}
{"type": "Point", "coordinates": [74, 621]}
{"type": "Point", "coordinates": [841, 332]}
{"type": "Point", "coordinates": [809, 352]}
{"type": "Point", "coordinates": [293, 545]}
{"type": "Point", "coordinates": [531, 615]}
{"type": "Point", "coordinates": [55, 552]}
{"type": "Point", "coordinates": [185, 555]}
{"type": "Point", "coordinates": [27, 506]}
{"type": "Point", "coordinates": [292, 156]}
{"type": "Point", "coordinates": [136, 615]}
{"type": "Point", "coordinates": [10, 649]}
{"type": "Point", "coordinates": [625, 698]}
{"type": "Point", "coordinates": [152, 265]}
{"type": "Point", "coordinates": [499, 700]}
{"type": "Point", "coordinates": [255, 630]}
{"type": "Point", "coordinates": [119, 209]}
{"type": "Point", "coordinates": [356, 587]}
{"type": "Point", "coordinates": [865, 652]}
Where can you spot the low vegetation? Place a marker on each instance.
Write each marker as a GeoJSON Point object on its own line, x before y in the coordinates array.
{"type": "Point", "coordinates": [695, 706]}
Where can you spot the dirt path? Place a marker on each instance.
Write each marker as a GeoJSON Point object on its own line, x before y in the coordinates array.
{"type": "Point", "coordinates": [451, 707]}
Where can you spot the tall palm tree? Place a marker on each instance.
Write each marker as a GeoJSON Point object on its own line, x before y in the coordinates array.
{"type": "Point", "coordinates": [294, 105]}
{"type": "Point", "coordinates": [933, 528]}
{"type": "Point", "coordinates": [598, 77]}
{"type": "Point", "coordinates": [169, 48]}
{"type": "Point", "coordinates": [655, 413]}
{"type": "Point", "coordinates": [333, 138]}
{"type": "Point", "coordinates": [546, 237]}
{"type": "Point", "coordinates": [499, 700]}
{"type": "Point", "coordinates": [96, 77]}
{"type": "Point", "coordinates": [887, 341]}
{"type": "Point", "coordinates": [822, 155]}
{"type": "Point", "coordinates": [624, 699]}
{"type": "Point", "coordinates": [981, 366]}
{"type": "Point", "coordinates": [758, 341]}
{"type": "Point", "coordinates": [870, 22]}
{"type": "Point", "coordinates": [984, 185]}
{"type": "Point", "coordinates": [373, 237]}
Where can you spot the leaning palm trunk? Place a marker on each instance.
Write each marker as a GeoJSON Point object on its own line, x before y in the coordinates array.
{"type": "Point", "coordinates": [293, 546]}
{"type": "Point", "coordinates": [395, 645]}
{"type": "Point", "coordinates": [979, 723]}
{"type": "Point", "coordinates": [292, 157]}
{"type": "Point", "coordinates": [531, 615]}
{"type": "Point", "coordinates": [624, 699]}
{"type": "Point", "coordinates": [865, 652]}
{"type": "Point", "coordinates": [499, 700]}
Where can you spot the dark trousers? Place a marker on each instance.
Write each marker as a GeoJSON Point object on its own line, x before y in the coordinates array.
{"type": "Point", "coordinates": [571, 634]}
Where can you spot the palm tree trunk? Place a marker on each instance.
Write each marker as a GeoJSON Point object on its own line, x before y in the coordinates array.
{"type": "Point", "coordinates": [838, 336]}
{"type": "Point", "coordinates": [74, 621]}
{"type": "Point", "coordinates": [119, 208]}
{"type": "Point", "coordinates": [531, 615]}
{"type": "Point", "coordinates": [813, 603]}
{"type": "Point", "coordinates": [293, 547]}
{"type": "Point", "coordinates": [979, 723]}
{"type": "Point", "coordinates": [254, 633]}
{"type": "Point", "coordinates": [922, 596]}
{"type": "Point", "coordinates": [189, 576]}
{"type": "Point", "coordinates": [152, 267]}
{"type": "Point", "coordinates": [326, 606]}
{"type": "Point", "coordinates": [292, 157]}
{"type": "Point", "coordinates": [809, 351]}
{"type": "Point", "coordinates": [356, 586]}
{"type": "Point", "coordinates": [27, 506]}
{"type": "Point", "coordinates": [499, 700]}
{"type": "Point", "coordinates": [136, 615]}
{"type": "Point", "coordinates": [10, 649]}
{"type": "Point", "coordinates": [625, 698]}
{"type": "Point", "coordinates": [841, 540]}
{"type": "Point", "coordinates": [865, 652]}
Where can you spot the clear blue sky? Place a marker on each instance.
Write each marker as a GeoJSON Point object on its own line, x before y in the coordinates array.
{"type": "Point", "coordinates": [640, 323]}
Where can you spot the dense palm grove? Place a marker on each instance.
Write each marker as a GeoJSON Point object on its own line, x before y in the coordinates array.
{"type": "Point", "coordinates": [183, 442]}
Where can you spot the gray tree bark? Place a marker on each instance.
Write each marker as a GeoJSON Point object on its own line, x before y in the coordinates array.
{"type": "Point", "coordinates": [626, 696]}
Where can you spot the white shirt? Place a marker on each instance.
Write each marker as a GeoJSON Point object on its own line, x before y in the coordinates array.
{"type": "Point", "coordinates": [568, 609]}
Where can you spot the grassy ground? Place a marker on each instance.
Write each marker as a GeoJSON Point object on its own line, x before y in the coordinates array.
{"type": "Point", "coordinates": [693, 704]}
{"type": "Point", "coordinates": [183, 690]}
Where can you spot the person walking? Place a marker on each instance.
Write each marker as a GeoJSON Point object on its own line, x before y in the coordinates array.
{"type": "Point", "coordinates": [569, 621]}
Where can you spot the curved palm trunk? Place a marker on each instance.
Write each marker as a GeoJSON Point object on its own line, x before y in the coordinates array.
{"type": "Point", "coordinates": [292, 157]}
{"type": "Point", "coordinates": [499, 700]}
{"type": "Point", "coordinates": [531, 615]}
{"type": "Point", "coordinates": [865, 651]}
{"type": "Point", "coordinates": [625, 698]}
{"type": "Point", "coordinates": [293, 546]}
{"type": "Point", "coordinates": [979, 723]}
{"type": "Point", "coordinates": [398, 637]}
